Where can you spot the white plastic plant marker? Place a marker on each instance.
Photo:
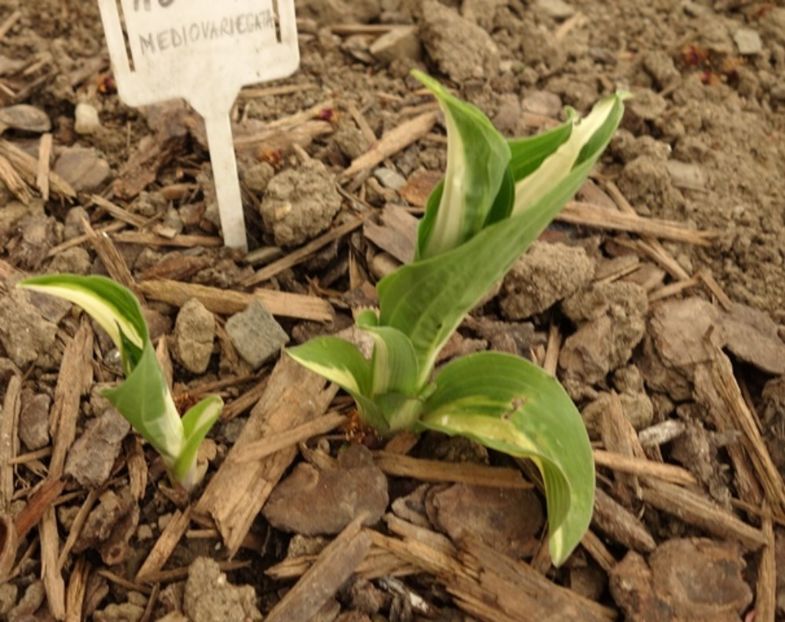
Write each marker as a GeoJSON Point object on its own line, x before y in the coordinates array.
{"type": "Point", "coordinates": [203, 51]}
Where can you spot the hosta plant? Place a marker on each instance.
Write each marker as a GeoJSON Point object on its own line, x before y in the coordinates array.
{"type": "Point", "coordinates": [496, 198]}
{"type": "Point", "coordinates": [143, 398]}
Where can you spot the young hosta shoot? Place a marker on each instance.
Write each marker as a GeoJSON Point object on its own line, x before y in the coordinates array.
{"type": "Point", "coordinates": [143, 398]}
{"type": "Point", "coordinates": [496, 198]}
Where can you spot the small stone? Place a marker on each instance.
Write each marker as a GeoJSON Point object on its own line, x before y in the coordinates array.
{"type": "Point", "coordinates": [300, 203]}
{"type": "Point", "coordinates": [10, 216]}
{"type": "Point", "coordinates": [458, 46]}
{"type": "Point", "coordinates": [194, 332]}
{"type": "Point", "coordinates": [401, 43]}
{"type": "Point", "coordinates": [543, 103]}
{"type": "Point", "coordinates": [508, 521]}
{"type": "Point", "coordinates": [313, 501]}
{"type": "Point", "coordinates": [8, 594]}
{"type": "Point", "coordinates": [256, 334]}
{"type": "Point", "coordinates": [83, 168]}
{"type": "Point", "coordinates": [687, 175]}
{"type": "Point", "coordinates": [87, 121]}
{"type": "Point", "coordinates": [209, 596]}
{"type": "Point", "coordinates": [748, 41]}
{"type": "Point", "coordinates": [34, 422]}
{"type": "Point", "coordinates": [546, 274]}
{"type": "Point", "coordinates": [29, 603]}
{"type": "Point", "coordinates": [557, 9]}
{"type": "Point", "coordinates": [24, 334]}
{"type": "Point", "coordinates": [92, 456]}
{"type": "Point", "coordinates": [389, 178]}
{"type": "Point", "coordinates": [123, 612]}
{"type": "Point", "coordinates": [25, 118]}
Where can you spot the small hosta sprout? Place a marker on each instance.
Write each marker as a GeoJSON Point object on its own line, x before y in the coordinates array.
{"type": "Point", "coordinates": [143, 398]}
{"type": "Point", "coordinates": [496, 198]}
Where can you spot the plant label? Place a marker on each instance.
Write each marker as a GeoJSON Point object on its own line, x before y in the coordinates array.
{"type": "Point", "coordinates": [203, 51]}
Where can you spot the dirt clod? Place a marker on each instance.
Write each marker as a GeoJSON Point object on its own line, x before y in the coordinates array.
{"type": "Point", "coordinates": [34, 421]}
{"type": "Point", "coordinates": [300, 203]}
{"type": "Point", "coordinates": [209, 596]}
{"type": "Point", "coordinates": [24, 334]}
{"type": "Point", "coordinates": [461, 48]}
{"type": "Point", "coordinates": [545, 275]}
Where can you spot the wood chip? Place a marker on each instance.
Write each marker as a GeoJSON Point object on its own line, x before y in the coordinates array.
{"type": "Point", "coordinates": [113, 261]}
{"type": "Point", "coordinates": [77, 587]}
{"type": "Point", "coordinates": [14, 182]}
{"type": "Point", "coordinates": [695, 509]}
{"type": "Point", "coordinates": [397, 233]}
{"type": "Point", "coordinates": [164, 546]}
{"type": "Point", "coordinates": [237, 492]}
{"type": "Point", "coordinates": [458, 472]}
{"type": "Point", "coordinates": [392, 142]}
{"type": "Point", "coordinates": [44, 160]}
{"type": "Point", "coordinates": [50, 570]}
{"type": "Point", "coordinates": [643, 467]}
{"type": "Point", "coordinates": [334, 566]}
{"type": "Point", "coordinates": [147, 238]}
{"type": "Point", "coordinates": [766, 587]}
{"type": "Point", "coordinates": [621, 525]}
{"type": "Point", "coordinates": [717, 388]}
{"type": "Point", "coordinates": [118, 212]}
{"type": "Point", "coordinates": [27, 167]}
{"type": "Point", "coordinates": [75, 379]}
{"type": "Point", "coordinates": [229, 302]}
{"type": "Point", "coordinates": [9, 440]}
{"type": "Point", "coordinates": [43, 498]}
{"type": "Point", "coordinates": [271, 444]}
{"type": "Point", "coordinates": [303, 253]}
{"type": "Point", "coordinates": [78, 524]}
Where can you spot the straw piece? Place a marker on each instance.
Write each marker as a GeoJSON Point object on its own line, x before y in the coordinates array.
{"type": "Point", "coordinates": [229, 302]}
{"type": "Point", "coordinates": [437, 471]}
{"type": "Point", "coordinates": [303, 253]}
{"type": "Point", "coordinates": [392, 142]}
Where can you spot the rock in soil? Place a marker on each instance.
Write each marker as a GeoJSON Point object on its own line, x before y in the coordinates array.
{"type": "Point", "coordinates": [25, 118]}
{"type": "Point", "coordinates": [300, 203]}
{"type": "Point", "coordinates": [8, 594]}
{"type": "Point", "coordinates": [24, 334]}
{"type": "Point", "coordinates": [210, 597]}
{"type": "Point", "coordinates": [34, 421]}
{"type": "Point", "coordinates": [545, 275]}
{"type": "Point", "coordinates": [508, 521]}
{"type": "Point", "coordinates": [92, 456]}
{"type": "Point", "coordinates": [686, 580]}
{"type": "Point", "coordinates": [461, 49]}
{"type": "Point", "coordinates": [194, 332]}
{"type": "Point", "coordinates": [83, 168]}
{"type": "Point", "coordinates": [120, 612]}
{"type": "Point", "coordinates": [86, 121]}
{"type": "Point", "coordinates": [398, 44]}
{"type": "Point", "coordinates": [611, 319]}
{"type": "Point", "coordinates": [256, 334]}
{"type": "Point", "coordinates": [314, 501]}
{"type": "Point", "coordinates": [103, 519]}
{"type": "Point", "coordinates": [29, 603]}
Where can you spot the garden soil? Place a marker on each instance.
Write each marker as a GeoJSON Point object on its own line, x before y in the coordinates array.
{"type": "Point", "coordinates": [658, 299]}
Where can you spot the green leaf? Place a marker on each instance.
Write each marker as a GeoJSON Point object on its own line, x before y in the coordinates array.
{"type": "Point", "coordinates": [510, 405]}
{"type": "Point", "coordinates": [587, 139]}
{"type": "Point", "coordinates": [530, 152]}
{"type": "Point", "coordinates": [197, 422]}
{"type": "Point", "coordinates": [337, 360]}
{"type": "Point", "coordinates": [428, 299]}
{"type": "Point", "coordinates": [112, 306]}
{"type": "Point", "coordinates": [477, 158]}
{"type": "Point", "coordinates": [394, 362]}
{"type": "Point", "coordinates": [144, 399]}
